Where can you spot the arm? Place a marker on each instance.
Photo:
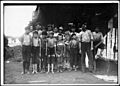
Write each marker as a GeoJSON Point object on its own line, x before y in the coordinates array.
{"type": "Point", "coordinates": [22, 39]}
{"type": "Point", "coordinates": [102, 39]}
{"type": "Point", "coordinates": [40, 42]}
{"type": "Point", "coordinates": [91, 40]}
{"type": "Point", "coordinates": [46, 46]}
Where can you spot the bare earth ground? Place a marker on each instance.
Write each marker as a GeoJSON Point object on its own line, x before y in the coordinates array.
{"type": "Point", "coordinates": [13, 76]}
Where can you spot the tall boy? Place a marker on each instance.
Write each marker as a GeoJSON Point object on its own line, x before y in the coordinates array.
{"type": "Point", "coordinates": [26, 50]}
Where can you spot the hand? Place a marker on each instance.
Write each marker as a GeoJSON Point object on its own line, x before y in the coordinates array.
{"type": "Point", "coordinates": [91, 48]}
{"type": "Point", "coordinates": [40, 55]}
{"type": "Point", "coordinates": [80, 51]}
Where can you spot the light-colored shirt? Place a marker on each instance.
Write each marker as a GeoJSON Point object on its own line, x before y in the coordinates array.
{"type": "Point", "coordinates": [56, 34]}
{"type": "Point", "coordinates": [36, 42]}
{"type": "Point", "coordinates": [85, 36]}
{"type": "Point", "coordinates": [97, 36]}
{"type": "Point", "coordinates": [26, 39]}
{"type": "Point", "coordinates": [51, 42]}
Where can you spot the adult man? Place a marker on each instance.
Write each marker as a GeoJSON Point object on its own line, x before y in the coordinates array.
{"type": "Point", "coordinates": [86, 40]}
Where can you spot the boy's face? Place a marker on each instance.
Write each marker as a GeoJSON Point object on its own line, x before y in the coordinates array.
{"type": "Point", "coordinates": [44, 36]}
{"type": "Point", "coordinates": [73, 29]}
{"type": "Point", "coordinates": [67, 37]}
{"type": "Point", "coordinates": [49, 28]}
{"type": "Point", "coordinates": [55, 30]}
{"type": "Point", "coordinates": [31, 27]}
{"type": "Point", "coordinates": [35, 35]}
{"type": "Point", "coordinates": [60, 31]}
{"type": "Point", "coordinates": [74, 36]}
{"type": "Point", "coordinates": [26, 31]}
{"type": "Point", "coordinates": [59, 37]}
{"type": "Point", "coordinates": [51, 35]}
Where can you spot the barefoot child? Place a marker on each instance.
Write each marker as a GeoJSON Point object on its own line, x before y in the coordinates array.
{"type": "Point", "coordinates": [51, 42]}
{"type": "Point", "coordinates": [35, 51]}
{"type": "Point", "coordinates": [74, 48]}
{"type": "Point", "coordinates": [60, 51]}
{"type": "Point", "coordinates": [67, 51]}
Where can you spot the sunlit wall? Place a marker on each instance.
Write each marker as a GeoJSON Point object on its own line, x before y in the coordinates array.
{"type": "Point", "coordinates": [16, 18]}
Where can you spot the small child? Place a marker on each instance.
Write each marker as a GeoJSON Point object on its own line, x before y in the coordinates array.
{"type": "Point", "coordinates": [35, 51]}
{"type": "Point", "coordinates": [51, 42]}
{"type": "Point", "coordinates": [67, 51]}
{"type": "Point", "coordinates": [60, 51]}
{"type": "Point", "coordinates": [74, 48]}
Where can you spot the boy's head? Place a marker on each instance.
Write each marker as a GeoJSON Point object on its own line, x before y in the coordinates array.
{"type": "Point", "coordinates": [38, 26]}
{"type": "Point", "coordinates": [51, 34]}
{"type": "Point", "coordinates": [60, 29]}
{"type": "Point", "coordinates": [97, 29]}
{"type": "Point", "coordinates": [49, 27]}
{"type": "Point", "coordinates": [73, 36]}
{"type": "Point", "coordinates": [55, 29]}
{"type": "Point", "coordinates": [60, 37]}
{"type": "Point", "coordinates": [44, 34]}
{"type": "Point", "coordinates": [27, 30]}
{"type": "Point", "coordinates": [73, 29]}
{"type": "Point", "coordinates": [35, 34]}
{"type": "Point", "coordinates": [84, 26]}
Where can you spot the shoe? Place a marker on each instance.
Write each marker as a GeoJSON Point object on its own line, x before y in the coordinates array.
{"type": "Point", "coordinates": [36, 72]}
{"type": "Point", "coordinates": [58, 71]}
{"type": "Point", "coordinates": [47, 72]}
{"type": "Point", "coordinates": [28, 72]}
{"type": "Point", "coordinates": [33, 72]}
{"type": "Point", "coordinates": [52, 72]}
{"type": "Point", "coordinates": [22, 73]}
{"type": "Point", "coordinates": [61, 71]}
{"type": "Point", "coordinates": [75, 69]}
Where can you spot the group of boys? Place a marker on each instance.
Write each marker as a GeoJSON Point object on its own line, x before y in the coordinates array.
{"type": "Point", "coordinates": [55, 49]}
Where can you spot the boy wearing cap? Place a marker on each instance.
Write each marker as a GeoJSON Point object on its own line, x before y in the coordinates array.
{"type": "Point", "coordinates": [74, 51]}
{"type": "Point", "coordinates": [51, 45]}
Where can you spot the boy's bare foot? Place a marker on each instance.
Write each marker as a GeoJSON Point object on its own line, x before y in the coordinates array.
{"type": "Point", "coordinates": [47, 72]}
{"type": "Point", "coordinates": [53, 72]}
{"type": "Point", "coordinates": [22, 73]}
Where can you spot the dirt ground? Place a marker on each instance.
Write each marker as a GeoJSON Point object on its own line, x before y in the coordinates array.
{"type": "Point", "coordinates": [13, 76]}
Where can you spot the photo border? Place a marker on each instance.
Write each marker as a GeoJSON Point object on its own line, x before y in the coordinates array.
{"type": "Point", "coordinates": [48, 1]}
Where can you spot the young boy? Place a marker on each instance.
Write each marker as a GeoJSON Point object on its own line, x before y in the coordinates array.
{"type": "Point", "coordinates": [51, 42]}
{"type": "Point", "coordinates": [60, 52]}
{"type": "Point", "coordinates": [67, 51]}
{"type": "Point", "coordinates": [43, 50]}
{"type": "Point", "coordinates": [74, 48]}
{"type": "Point", "coordinates": [35, 51]}
{"type": "Point", "coordinates": [26, 50]}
